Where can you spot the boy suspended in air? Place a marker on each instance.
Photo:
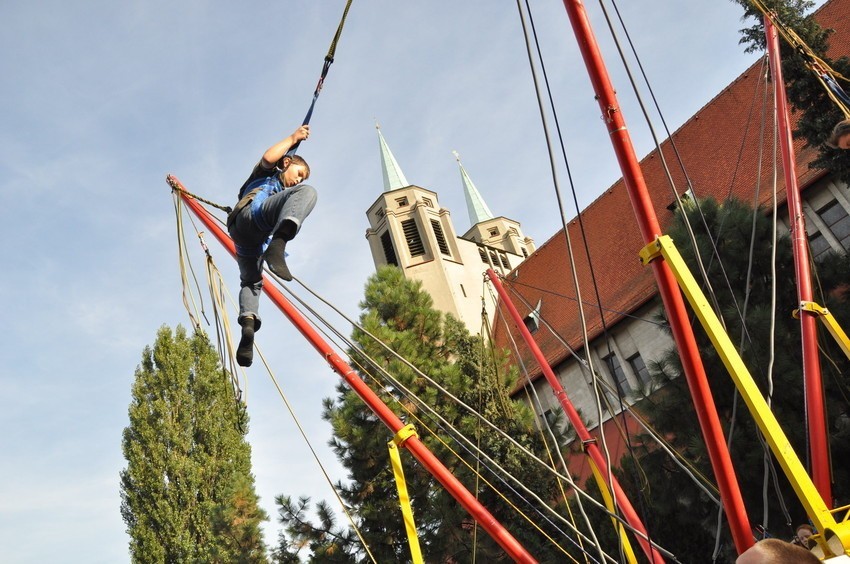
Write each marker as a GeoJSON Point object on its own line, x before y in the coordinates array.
{"type": "Point", "coordinates": [272, 206]}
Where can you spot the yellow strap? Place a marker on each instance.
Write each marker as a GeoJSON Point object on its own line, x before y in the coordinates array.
{"type": "Point", "coordinates": [609, 503]}
{"type": "Point", "coordinates": [403, 434]}
{"type": "Point", "coordinates": [403, 497]}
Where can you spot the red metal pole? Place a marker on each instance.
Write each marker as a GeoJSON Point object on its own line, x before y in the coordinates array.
{"type": "Point", "coordinates": [587, 440]}
{"type": "Point", "coordinates": [815, 412]}
{"type": "Point", "coordinates": [683, 335]}
{"type": "Point", "coordinates": [484, 518]}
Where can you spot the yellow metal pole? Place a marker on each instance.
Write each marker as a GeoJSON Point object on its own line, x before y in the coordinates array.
{"type": "Point", "coordinates": [836, 536]}
{"type": "Point", "coordinates": [831, 325]}
{"type": "Point", "coordinates": [628, 552]}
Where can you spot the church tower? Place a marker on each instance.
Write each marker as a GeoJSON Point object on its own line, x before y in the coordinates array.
{"type": "Point", "coordinates": [496, 232]}
{"type": "Point", "coordinates": [409, 229]}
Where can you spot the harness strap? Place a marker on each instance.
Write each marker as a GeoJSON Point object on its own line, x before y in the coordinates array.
{"type": "Point", "coordinates": [329, 59]}
{"type": "Point", "coordinates": [242, 204]}
{"type": "Point", "coordinates": [178, 188]}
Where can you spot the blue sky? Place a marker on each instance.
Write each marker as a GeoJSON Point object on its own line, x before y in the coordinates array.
{"type": "Point", "coordinates": [100, 100]}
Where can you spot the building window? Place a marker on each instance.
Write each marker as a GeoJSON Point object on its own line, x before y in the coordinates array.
{"type": "Point", "coordinates": [428, 202]}
{"type": "Point", "coordinates": [532, 320]}
{"type": "Point", "coordinates": [483, 254]}
{"type": "Point", "coordinates": [493, 231]}
{"type": "Point", "coordinates": [818, 245]}
{"type": "Point", "coordinates": [441, 239]}
{"type": "Point", "coordinates": [524, 252]}
{"type": "Point", "coordinates": [504, 260]}
{"type": "Point", "coordinates": [401, 201]}
{"type": "Point", "coordinates": [414, 240]}
{"type": "Point", "coordinates": [617, 372]}
{"type": "Point", "coordinates": [389, 251]}
{"type": "Point", "coordinates": [463, 290]}
{"type": "Point", "coordinates": [380, 213]}
{"type": "Point", "coordinates": [549, 418]}
{"type": "Point", "coordinates": [639, 368]}
{"type": "Point", "coordinates": [836, 219]}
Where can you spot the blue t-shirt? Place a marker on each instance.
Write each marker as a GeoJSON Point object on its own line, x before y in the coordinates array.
{"type": "Point", "coordinates": [259, 172]}
{"type": "Point", "coordinates": [268, 182]}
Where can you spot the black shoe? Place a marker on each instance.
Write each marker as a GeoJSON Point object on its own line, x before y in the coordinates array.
{"type": "Point", "coordinates": [275, 257]}
{"type": "Point", "coordinates": [245, 352]}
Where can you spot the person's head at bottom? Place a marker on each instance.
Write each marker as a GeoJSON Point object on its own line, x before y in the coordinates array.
{"type": "Point", "coordinates": [840, 136]}
{"type": "Point", "coordinates": [775, 551]}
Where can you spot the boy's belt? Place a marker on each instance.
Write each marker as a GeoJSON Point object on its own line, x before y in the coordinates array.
{"type": "Point", "coordinates": [243, 203]}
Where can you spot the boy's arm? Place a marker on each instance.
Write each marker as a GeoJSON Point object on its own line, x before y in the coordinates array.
{"type": "Point", "coordinates": [277, 151]}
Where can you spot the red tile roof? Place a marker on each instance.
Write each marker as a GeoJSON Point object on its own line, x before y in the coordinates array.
{"type": "Point", "coordinates": [720, 150]}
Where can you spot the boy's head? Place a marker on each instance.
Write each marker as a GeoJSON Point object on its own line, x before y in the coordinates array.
{"type": "Point", "coordinates": [294, 170]}
{"type": "Point", "coordinates": [840, 136]}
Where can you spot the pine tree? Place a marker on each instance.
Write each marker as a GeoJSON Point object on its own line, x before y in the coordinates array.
{"type": "Point", "coordinates": [401, 315]}
{"type": "Point", "coordinates": [187, 493]}
{"type": "Point", "coordinates": [672, 495]}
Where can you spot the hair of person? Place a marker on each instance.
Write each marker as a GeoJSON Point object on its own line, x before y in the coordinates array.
{"type": "Point", "coordinates": [296, 160]}
{"type": "Point", "coordinates": [775, 551]}
{"type": "Point", "coordinates": [805, 526]}
{"type": "Point", "coordinates": [841, 129]}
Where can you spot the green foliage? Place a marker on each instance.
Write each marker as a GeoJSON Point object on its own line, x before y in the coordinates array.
{"type": "Point", "coordinates": [398, 313]}
{"type": "Point", "coordinates": [326, 541]}
{"type": "Point", "coordinates": [187, 493]}
{"type": "Point", "coordinates": [671, 496]}
{"type": "Point", "coordinates": [818, 113]}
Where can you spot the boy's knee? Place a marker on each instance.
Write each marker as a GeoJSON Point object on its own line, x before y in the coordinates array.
{"type": "Point", "coordinates": [309, 192]}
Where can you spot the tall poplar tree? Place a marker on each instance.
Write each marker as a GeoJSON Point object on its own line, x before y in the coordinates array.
{"type": "Point", "coordinates": [401, 315]}
{"type": "Point", "coordinates": [187, 493]}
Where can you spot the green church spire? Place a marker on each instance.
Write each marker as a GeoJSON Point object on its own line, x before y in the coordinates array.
{"type": "Point", "coordinates": [393, 176]}
{"type": "Point", "coordinates": [475, 204]}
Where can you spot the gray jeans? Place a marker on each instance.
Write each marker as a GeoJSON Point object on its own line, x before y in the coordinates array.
{"type": "Point", "coordinates": [293, 204]}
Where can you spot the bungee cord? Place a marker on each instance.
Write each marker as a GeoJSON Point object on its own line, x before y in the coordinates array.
{"type": "Point", "coordinates": [770, 469]}
{"type": "Point", "coordinates": [315, 455]}
{"type": "Point", "coordinates": [329, 59]}
{"type": "Point", "coordinates": [326, 65]}
{"type": "Point", "coordinates": [568, 242]}
{"type": "Point", "coordinates": [185, 268]}
{"type": "Point", "coordinates": [473, 412]}
{"type": "Point", "coordinates": [464, 441]}
{"type": "Point", "coordinates": [539, 404]}
{"type": "Point", "coordinates": [692, 472]}
{"type": "Point", "coordinates": [580, 492]}
{"type": "Point", "coordinates": [518, 283]}
{"type": "Point", "coordinates": [664, 165]}
{"type": "Point", "coordinates": [540, 422]}
{"type": "Point", "coordinates": [214, 284]}
{"type": "Point", "coordinates": [696, 201]}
